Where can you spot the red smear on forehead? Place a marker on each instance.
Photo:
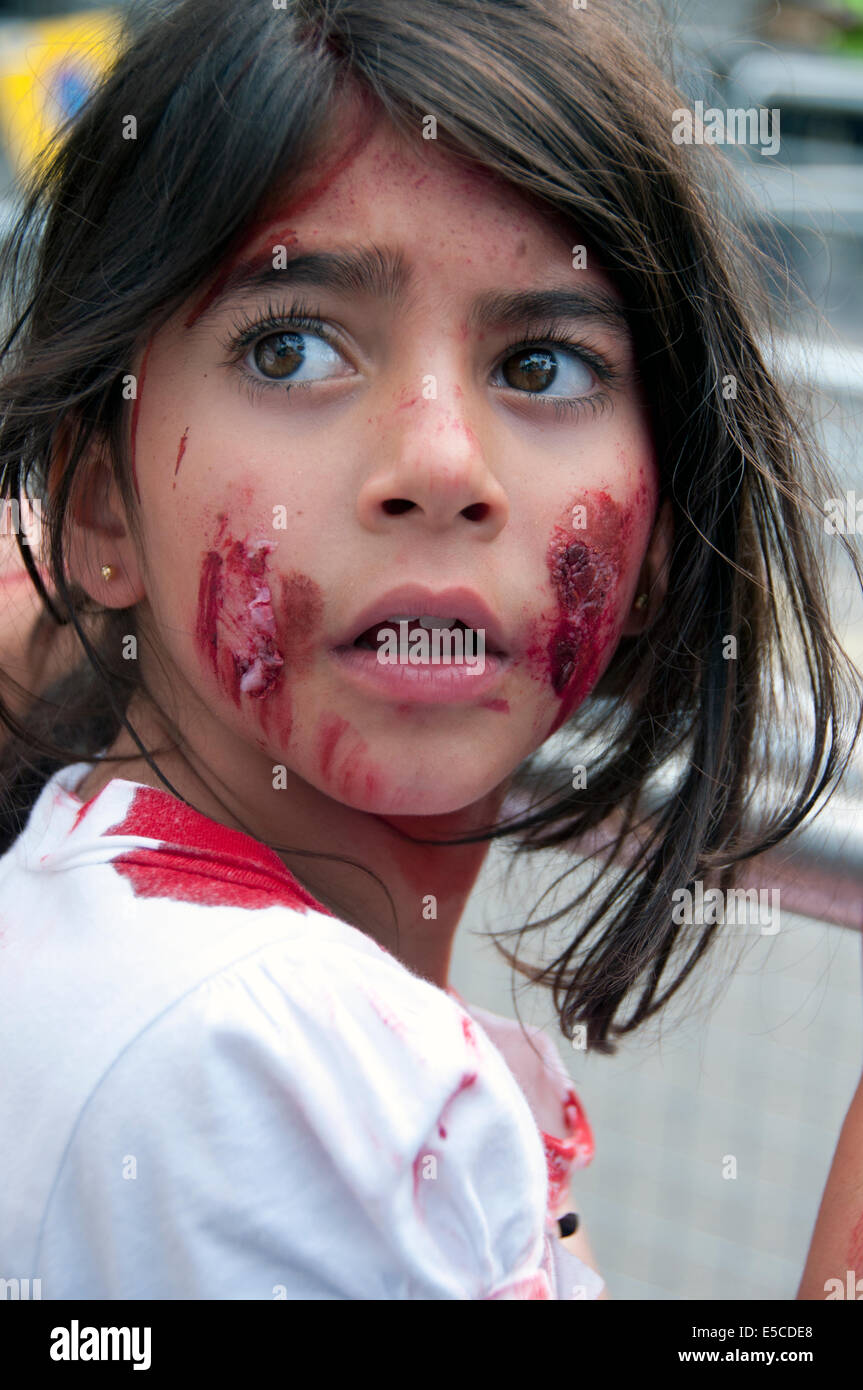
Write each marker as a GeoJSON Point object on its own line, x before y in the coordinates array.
{"type": "Point", "coordinates": [249, 254]}
{"type": "Point", "coordinates": [139, 391]}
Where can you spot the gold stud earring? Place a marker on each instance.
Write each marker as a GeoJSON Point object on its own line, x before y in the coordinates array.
{"type": "Point", "coordinates": [107, 571]}
{"type": "Point", "coordinates": [641, 601]}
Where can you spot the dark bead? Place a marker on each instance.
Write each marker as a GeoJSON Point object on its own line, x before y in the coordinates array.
{"type": "Point", "coordinates": [568, 1223]}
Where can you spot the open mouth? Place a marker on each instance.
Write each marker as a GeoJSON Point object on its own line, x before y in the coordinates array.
{"type": "Point", "coordinates": [420, 658]}
{"type": "Point", "coordinates": [371, 639]}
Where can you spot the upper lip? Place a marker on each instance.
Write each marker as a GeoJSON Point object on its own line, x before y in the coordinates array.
{"type": "Point", "coordinates": [464, 604]}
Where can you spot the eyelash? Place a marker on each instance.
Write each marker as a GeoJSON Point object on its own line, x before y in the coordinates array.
{"type": "Point", "coordinates": [278, 318]}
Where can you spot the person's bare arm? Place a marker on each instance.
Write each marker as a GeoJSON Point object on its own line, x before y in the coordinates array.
{"type": "Point", "coordinates": [33, 650]}
{"type": "Point", "coordinates": [837, 1240]}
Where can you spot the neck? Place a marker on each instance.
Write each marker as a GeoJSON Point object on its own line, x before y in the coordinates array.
{"type": "Point", "coordinates": [407, 896]}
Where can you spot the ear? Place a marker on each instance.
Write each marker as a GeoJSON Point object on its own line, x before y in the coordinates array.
{"type": "Point", "coordinates": [97, 532]}
{"type": "Point", "coordinates": [653, 579]}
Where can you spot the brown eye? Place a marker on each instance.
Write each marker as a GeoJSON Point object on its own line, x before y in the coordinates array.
{"type": "Point", "coordinates": [303, 355]}
{"type": "Point", "coordinates": [535, 370]}
{"type": "Point", "coordinates": [279, 354]}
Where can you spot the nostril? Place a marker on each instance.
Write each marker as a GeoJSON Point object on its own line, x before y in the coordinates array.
{"type": "Point", "coordinates": [395, 505]}
{"type": "Point", "coordinates": [477, 512]}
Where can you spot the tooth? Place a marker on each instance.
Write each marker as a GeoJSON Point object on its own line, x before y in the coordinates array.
{"type": "Point", "coordinates": [429, 622]}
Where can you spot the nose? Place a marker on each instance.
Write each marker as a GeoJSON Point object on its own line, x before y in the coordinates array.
{"type": "Point", "coordinates": [432, 472]}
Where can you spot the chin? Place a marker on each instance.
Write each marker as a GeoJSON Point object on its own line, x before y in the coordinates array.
{"type": "Point", "coordinates": [434, 797]}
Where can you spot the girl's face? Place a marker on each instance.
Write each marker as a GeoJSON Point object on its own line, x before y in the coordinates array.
{"type": "Point", "coordinates": [438, 395]}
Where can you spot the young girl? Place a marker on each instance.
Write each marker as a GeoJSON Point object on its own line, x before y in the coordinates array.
{"type": "Point", "coordinates": [338, 329]}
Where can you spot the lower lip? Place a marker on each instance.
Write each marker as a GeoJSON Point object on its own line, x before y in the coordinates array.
{"type": "Point", "coordinates": [423, 685]}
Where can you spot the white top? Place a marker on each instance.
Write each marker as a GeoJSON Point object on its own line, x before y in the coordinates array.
{"type": "Point", "coordinates": [213, 1088]}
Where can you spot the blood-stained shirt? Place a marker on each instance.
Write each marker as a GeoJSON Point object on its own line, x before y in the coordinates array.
{"type": "Point", "coordinates": [213, 1088]}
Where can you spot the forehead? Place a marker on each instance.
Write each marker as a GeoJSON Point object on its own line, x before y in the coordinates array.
{"type": "Point", "coordinates": [383, 185]}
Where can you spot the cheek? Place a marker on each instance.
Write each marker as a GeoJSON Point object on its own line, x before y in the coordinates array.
{"type": "Point", "coordinates": [586, 568]}
{"type": "Point", "coordinates": [253, 626]}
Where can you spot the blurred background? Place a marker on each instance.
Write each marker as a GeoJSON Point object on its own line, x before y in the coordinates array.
{"type": "Point", "coordinates": [766, 1073]}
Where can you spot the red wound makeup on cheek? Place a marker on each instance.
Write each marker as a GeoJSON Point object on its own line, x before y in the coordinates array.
{"type": "Point", "coordinates": [247, 638]}
{"type": "Point", "coordinates": [235, 626]}
{"type": "Point", "coordinates": [585, 566]}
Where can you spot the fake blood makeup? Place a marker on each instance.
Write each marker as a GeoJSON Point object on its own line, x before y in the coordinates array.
{"type": "Point", "coordinates": [343, 759]}
{"type": "Point", "coordinates": [287, 237]}
{"type": "Point", "coordinates": [181, 450]}
{"type": "Point", "coordinates": [585, 566]}
{"type": "Point", "coordinates": [236, 626]}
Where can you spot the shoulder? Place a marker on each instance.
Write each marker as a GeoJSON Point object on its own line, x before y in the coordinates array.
{"type": "Point", "coordinates": [535, 1062]}
{"type": "Point", "coordinates": [313, 1116]}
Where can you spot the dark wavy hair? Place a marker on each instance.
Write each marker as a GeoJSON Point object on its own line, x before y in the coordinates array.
{"type": "Point", "coordinates": [573, 108]}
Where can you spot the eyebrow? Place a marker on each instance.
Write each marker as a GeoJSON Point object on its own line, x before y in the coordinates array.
{"type": "Point", "coordinates": [383, 273]}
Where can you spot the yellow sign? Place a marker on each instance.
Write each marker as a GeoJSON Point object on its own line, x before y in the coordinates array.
{"type": "Point", "coordinates": [46, 71]}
